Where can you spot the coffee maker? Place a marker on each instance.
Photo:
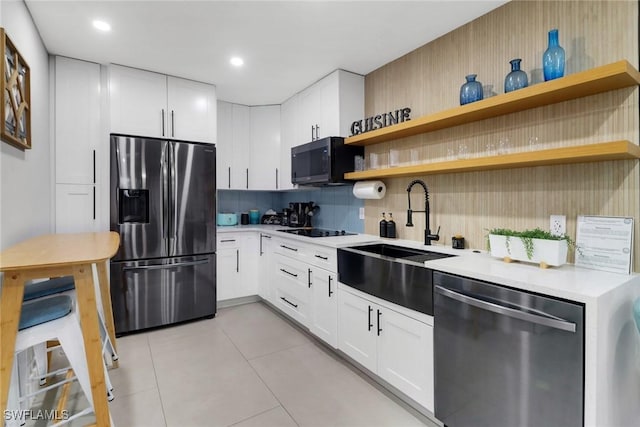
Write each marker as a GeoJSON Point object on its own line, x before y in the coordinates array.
{"type": "Point", "coordinates": [301, 213]}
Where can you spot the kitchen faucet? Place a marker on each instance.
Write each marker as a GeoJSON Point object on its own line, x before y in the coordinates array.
{"type": "Point", "coordinates": [428, 237]}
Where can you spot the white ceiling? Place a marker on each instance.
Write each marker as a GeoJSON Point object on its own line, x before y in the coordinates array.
{"type": "Point", "coordinates": [286, 45]}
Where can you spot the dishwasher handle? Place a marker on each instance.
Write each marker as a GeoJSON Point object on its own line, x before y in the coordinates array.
{"type": "Point", "coordinates": [550, 321]}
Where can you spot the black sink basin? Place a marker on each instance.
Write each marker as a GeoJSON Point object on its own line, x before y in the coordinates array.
{"type": "Point", "coordinates": [400, 252]}
{"type": "Point", "coordinates": [390, 272]}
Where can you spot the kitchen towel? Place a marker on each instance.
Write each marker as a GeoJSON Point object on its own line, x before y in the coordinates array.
{"type": "Point", "coordinates": [369, 189]}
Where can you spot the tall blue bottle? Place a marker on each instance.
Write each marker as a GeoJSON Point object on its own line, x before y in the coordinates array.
{"type": "Point", "coordinates": [553, 58]}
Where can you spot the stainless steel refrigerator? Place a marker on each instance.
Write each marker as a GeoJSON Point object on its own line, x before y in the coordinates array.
{"type": "Point", "coordinates": [163, 204]}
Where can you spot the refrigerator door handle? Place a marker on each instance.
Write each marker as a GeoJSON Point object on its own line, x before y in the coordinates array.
{"type": "Point", "coordinates": [165, 195]}
{"type": "Point", "coordinates": [173, 182]}
{"type": "Point", "coordinates": [166, 266]}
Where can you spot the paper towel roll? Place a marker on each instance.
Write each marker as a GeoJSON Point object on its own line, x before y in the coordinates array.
{"type": "Point", "coordinates": [369, 189]}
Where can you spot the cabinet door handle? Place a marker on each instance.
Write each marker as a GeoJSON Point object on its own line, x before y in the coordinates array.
{"type": "Point", "coordinates": [237, 260]}
{"type": "Point", "coordinates": [163, 122]}
{"type": "Point", "coordinates": [317, 132]}
{"type": "Point", "coordinates": [261, 252]}
{"type": "Point", "coordinates": [276, 178]}
{"type": "Point", "coordinates": [94, 202]}
{"type": "Point", "coordinates": [227, 240]}
{"type": "Point", "coordinates": [288, 272]}
{"type": "Point", "coordinates": [289, 302]}
{"type": "Point", "coordinates": [312, 137]}
{"type": "Point", "coordinates": [369, 321]}
{"type": "Point", "coordinates": [266, 236]}
{"type": "Point", "coordinates": [322, 257]}
{"type": "Point", "coordinates": [173, 125]}
{"type": "Point", "coordinates": [229, 176]}
{"type": "Point", "coordinates": [379, 328]}
{"type": "Point", "coordinates": [309, 276]}
{"type": "Point", "coordinates": [287, 247]}
{"type": "Point", "coordinates": [94, 166]}
{"type": "Point", "coordinates": [247, 178]}
{"type": "Point", "coordinates": [330, 291]}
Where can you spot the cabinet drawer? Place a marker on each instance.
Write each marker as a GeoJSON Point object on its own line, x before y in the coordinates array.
{"type": "Point", "coordinates": [290, 248]}
{"type": "Point", "coordinates": [228, 242]}
{"type": "Point", "coordinates": [292, 306]}
{"type": "Point", "coordinates": [323, 257]}
{"type": "Point", "coordinates": [293, 276]}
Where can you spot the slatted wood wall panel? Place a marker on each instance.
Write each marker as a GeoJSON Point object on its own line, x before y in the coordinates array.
{"type": "Point", "coordinates": [428, 80]}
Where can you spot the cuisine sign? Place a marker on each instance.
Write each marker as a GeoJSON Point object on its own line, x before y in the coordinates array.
{"type": "Point", "coordinates": [380, 120]}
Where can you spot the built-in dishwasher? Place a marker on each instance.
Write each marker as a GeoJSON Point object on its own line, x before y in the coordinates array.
{"type": "Point", "coordinates": [505, 357]}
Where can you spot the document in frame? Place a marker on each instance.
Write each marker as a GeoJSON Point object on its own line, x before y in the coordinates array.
{"type": "Point", "coordinates": [605, 243]}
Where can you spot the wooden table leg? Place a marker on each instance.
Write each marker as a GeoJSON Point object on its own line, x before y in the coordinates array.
{"type": "Point", "coordinates": [87, 309]}
{"type": "Point", "coordinates": [105, 295]}
{"type": "Point", "coordinates": [10, 308]}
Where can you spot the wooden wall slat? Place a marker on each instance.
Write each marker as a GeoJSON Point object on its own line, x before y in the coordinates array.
{"type": "Point", "coordinates": [428, 80]}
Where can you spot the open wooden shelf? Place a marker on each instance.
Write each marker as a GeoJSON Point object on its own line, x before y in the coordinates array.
{"type": "Point", "coordinates": [617, 150]}
{"type": "Point", "coordinates": [617, 75]}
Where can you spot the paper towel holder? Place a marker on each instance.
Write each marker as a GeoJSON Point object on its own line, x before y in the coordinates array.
{"type": "Point", "coordinates": [369, 190]}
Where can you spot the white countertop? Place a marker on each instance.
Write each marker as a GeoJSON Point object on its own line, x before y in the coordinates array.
{"type": "Point", "coordinates": [568, 281]}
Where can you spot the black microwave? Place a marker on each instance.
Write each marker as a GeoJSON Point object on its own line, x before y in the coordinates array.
{"type": "Point", "coordinates": [323, 162]}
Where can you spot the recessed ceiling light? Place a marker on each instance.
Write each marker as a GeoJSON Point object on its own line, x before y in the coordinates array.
{"type": "Point", "coordinates": [101, 25]}
{"type": "Point", "coordinates": [236, 61]}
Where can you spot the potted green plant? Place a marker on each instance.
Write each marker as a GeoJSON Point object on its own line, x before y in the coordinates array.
{"type": "Point", "coordinates": [537, 246]}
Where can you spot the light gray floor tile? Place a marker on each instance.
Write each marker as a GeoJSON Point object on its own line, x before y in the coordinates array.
{"type": "Point", "coordinates": [276, 417]}
{"type": "Point", "coordinates": [318, 390]}
{"type": "Point", "coordinates": [257, 331]}
{"type": "Point", "coordinates": [142, 409]}
{"type": "Point", "coordinates": [217, 400]}
{"type": "Point", "coordinates": [135, 372]}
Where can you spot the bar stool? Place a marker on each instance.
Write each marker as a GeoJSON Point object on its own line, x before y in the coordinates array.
{"type": "Point", "coordinates": [66, 286]}
{"type": "Point", "coordinates": [42, 320]}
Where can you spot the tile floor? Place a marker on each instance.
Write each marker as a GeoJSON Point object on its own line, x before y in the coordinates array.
{"type": "Point", "coordinates": [247, 367]}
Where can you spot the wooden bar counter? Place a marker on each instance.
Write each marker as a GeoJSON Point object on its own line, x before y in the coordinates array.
{"type": "Point", "coordinates": [60, 255]}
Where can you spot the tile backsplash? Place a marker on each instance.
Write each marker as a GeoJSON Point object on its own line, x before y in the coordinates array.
{"type": "Point", "coordinates": [339, 209]}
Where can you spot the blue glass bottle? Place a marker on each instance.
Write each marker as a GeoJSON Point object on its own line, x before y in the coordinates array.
{"type": "Point", "coordinates": [471, 91]}
{"type": "Point", "coordinates": [516, 79]}
{"type": "Point", "coordinates": [553, 58]}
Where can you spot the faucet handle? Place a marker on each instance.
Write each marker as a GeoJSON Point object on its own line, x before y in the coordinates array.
{"type": "Point", "coordinates": [432, 237]}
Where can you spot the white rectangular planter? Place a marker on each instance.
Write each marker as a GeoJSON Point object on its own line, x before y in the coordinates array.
{"type": "Point", "coordinates": [549, 252]}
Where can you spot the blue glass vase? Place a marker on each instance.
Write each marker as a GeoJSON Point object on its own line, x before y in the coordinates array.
{"type": "Point", "coordinates": [471, 91]}
{"type": "Point", "coordinates": [553, 58]}
{"type": "Point", "coordinates": [516, 79]}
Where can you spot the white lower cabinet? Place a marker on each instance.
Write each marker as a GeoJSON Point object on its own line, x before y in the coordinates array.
{"type": "Point", "coordinates": [236, 274]}
{"type": "Point", "coordinates": [390, 344]}
{"type": "Point", "coordinates": [265, 268]}
{"type": "Point", "coordinates": [324, 307]}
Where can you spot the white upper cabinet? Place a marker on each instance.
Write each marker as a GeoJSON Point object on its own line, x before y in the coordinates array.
{"type": "Point", "coordinates": [264, 166]}
{"type": "Point", "coordinates": [192, 110]}
{"type": "Point", "coordinates": [77, 124]}
{"type": "Point", "coordinates": [329, 106]}
{"type": "Point", "coordinates": [138, 102]}
{"type": "Point", "coordinates": [248, 147]}
{"type": "Point", "coordinates": [150, 104]}
{"type": "Point", "coordinates": [288, 135]}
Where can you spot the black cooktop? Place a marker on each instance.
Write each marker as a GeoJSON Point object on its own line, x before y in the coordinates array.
{"type": "Point", "coordinates": [317, 232]}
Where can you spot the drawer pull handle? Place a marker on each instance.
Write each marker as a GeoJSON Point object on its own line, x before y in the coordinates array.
{"type": "Point", "coordinates": [289, 273]}
{"type": "Point", "coordinates": [287, 247]}
{"type": "Point", "coordinates": [289, 302]}
{"type": "Point", "coordinates": [322, 257]}
{"type": "Point", "coordinates": [227, 240]}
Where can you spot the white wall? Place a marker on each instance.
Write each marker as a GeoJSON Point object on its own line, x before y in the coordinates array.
{"type": "Point", "coordinates": [25, 189]}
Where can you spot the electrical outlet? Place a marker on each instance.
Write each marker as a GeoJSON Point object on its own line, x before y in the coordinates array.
{"type": "Point", "coordinates": [558, 224]}
{"type": "Point", "coordinates": [362, 213]}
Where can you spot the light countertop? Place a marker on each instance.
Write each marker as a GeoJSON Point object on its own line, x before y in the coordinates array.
{"type": "Point", "coordinates": [567, 281]}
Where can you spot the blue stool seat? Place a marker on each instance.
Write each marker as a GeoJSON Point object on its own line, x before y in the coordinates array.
{"type": "Point", "coordinates": [636, 313]}
{"type": "Point", "coordinates": [44, 310]}
{"type": "Point", "coordinates": [48, 287]}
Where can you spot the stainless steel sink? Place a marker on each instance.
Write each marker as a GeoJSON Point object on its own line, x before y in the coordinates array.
{"type": "Point", "coordinates": [393, 273]}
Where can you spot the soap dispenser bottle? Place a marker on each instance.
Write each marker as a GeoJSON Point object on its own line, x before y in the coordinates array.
{"type": "Point", "coordinates": [391, 227]}
{"type": "Point", "coordinates": [383, 226]}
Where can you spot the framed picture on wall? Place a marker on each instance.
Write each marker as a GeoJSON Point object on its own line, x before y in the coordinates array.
{"type": "Point", "coordinates": [16, 95]}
